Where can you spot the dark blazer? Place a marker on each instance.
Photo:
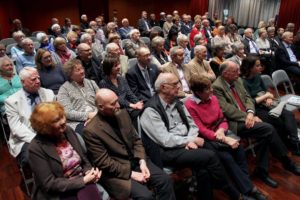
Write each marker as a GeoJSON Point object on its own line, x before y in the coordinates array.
{"type": "Point", "coordinates": [228, 103]}
{"type": "Point", "coordinates": [283, 59]}
{"type": "Point", "coordinates": [247, 45]}
{"type": "Point", "coordinates": [109, 154]}
{"type": "Point", "coordinates": [47, 167]}
{"type": "Point", "coordinates": [185, 28]}
{"type": "Point", "coordinates": [137, 83]}
{"type": "Point", "coordinates": [142, 26]}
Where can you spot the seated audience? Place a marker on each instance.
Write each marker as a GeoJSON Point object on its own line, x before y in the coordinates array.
{"type": "Point", "coordinates": [43, 39]}
{"type": "Point", "coordinates": [57, 31]}
{"type": "Point", "coordinates": [61, 53]}
{"type": "Point", "coordinates": [77, 95]}
{"type": "Point", "coordinates": [113, 81]}
{"type": "Point", "coordinates": [113, 50]}
{"type": "Point", "coordinates": [266, 54]}
{"type": "Point", "coordinates": [261, 25]}
{"type": "Point", "coordinates": [134, 43]}
{"type": "Point", "coordinates": [285, 56]}
{"type": "Point", "coordinates": [183, 41]}
{"type": "Point", "coordinates": [67, 27]}
{"type": "Point", "coordinates": [185, 25]}
{"type": "Point", "coordinates": [60, 168]}
{"type": "Point", "coordinates": [97, 48]}
{"type": "Point", "coordinates": [233, 34]}
{"type": "Point", "coordinates": [198, 65]}
{"type": "Point", "coordinates": [204, 108]}
{"type": "Point", "coordinates": [19, 27]}
{"type": "Point", "coordinates": [9, 81]}
{"type": "Point", "coordinates": [158, 51]}
{"type": "Point", "coordinates": [53, 21]}
{"type": "Point", "coordinates": [162, 19]}
{"type": "Point", "coordinates": [115, 148]}
{"type": "Point", "coordinates": [218, 59]}
{"type": "Point", "coordinates": [51, 75]}
{"type": "Point", "coordinates": [199, 39]}
{"type": "Point", "coordinates": [26, 58]}
{"type": "Point", "coordinates": [181, 71]}
{"type": "Point", "coordinates": [125, 29]}
{"type": "Point", "coordinates": [111, 27]}
{"type": "Point", "coordinates": [115, 38]}
{"type": "Point", "coordinates": [18, 108]}
{"type": "Point", "coordinates": [99, 32]}
{"type": "Point", "coordinates": [15, 50]}
{"type": "Point", "coordinates": [92, 67]}
{"type": "Point", "coordinates": [217, 24]}
{"type": "Point", "coordinates": [222, 40]}
{"type": "Point", "coordinates": [153, 21]}
{"type": "Point", "coordinates": [167, 25]}
{"type": "Point", "coordinates": [174, 141]}
{"type": "Point", "coordinates": [238, 50]}
{"type": "Point", "coordinates": [144, 25]}
{"type": "Point", "coordinates": [273, 40]}
{"type": "Point", "coordinates": [285, 124]}
{"type": "Point", "coordinates": [196, 30]}
{"type": "Point", "coordinates": [171, 40]}
{"type": "Point", "coordinates": [207, 31]}
{"type": "Point", "coordinates": [142, 76]}
{"type": "Point", "coordinates": [238, 108]}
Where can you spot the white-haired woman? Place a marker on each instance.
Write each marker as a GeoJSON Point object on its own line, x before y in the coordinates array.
{"type": "Point", "coordinates": [44, 41]}
{"type": "Point", "coordinates": [134, 43]}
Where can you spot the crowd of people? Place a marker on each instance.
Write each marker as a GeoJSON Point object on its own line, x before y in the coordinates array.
{"type": "Point", "coordinates": [96, 104]}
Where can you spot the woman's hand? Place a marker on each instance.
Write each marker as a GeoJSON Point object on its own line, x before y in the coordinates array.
{"type": "Point", "coordinates": [233, 143]}
{"type": "Point", "coordinates": [220, 135]}
{"type": "Point", "coordinates": [137, 106]}
{"type": "Point", "coordinates": [92, 176]}
{"type": "Point", "coordinates": [269, 102]}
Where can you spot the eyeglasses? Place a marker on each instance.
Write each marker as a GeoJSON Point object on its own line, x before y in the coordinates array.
{"type": "Point", "coordinates": [174, 84]}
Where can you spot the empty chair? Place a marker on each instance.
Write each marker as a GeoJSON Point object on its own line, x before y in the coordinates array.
{"type": "Point", "coordinates": [280, 77]}
{"type": "Point", "coordinates": [7, 41]}
{"type": "Point", "coordinates": [33, 34]}
{"type": "Point", "coordinates": [146, 40]}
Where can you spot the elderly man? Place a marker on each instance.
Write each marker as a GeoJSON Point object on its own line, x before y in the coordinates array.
{"type": "Point", "coordinates": [239, 109]}
{"type": "Point", "coordinates": [286, 57]}
{"type": "Point", "coordinates": [97, 47]}
{"type": "Point", "coordinates": [144, 25]}
{"type": "Point", "coordinates": [92, 66]}
{"type": "Point", "coordinates": [142, 76]}
{"type": "Point", "coordinates": [174, 141]}
{"type": "Point", "coordinates": [18, 37]}
{"type": "Point", "coordinates": [181, 71]}
{"type": "Point", "coordinates": [250, 45]}
{"type": "Point", "coordinates": [185, 25]}
{"type": "Point", "coordinates": [125, 29]}
{"type": "Point", "coordinates": [183, 41]}
{"type": "Point", "coordinates": [53, 21]}
{"type": "Point", "coordinates": [84, 24]}
{"type": "Point", "coordinates": [18, 109]}
{"type": "Point", "coordinates": [198, 65]}
{"type": "Point", "coordinates": [238, 50]}
{"type": "Point", "coordinates": [113, 50]}
{"type": "Point", "coordinates": [27, 58]}
{"type": "Point", "coordinates": [115, 148]}
{"type": "Point", "coordinates": [99, 31]}
{"type": "Point", "coordinates": [134, 43]}
{"type": "Point", "coordinates": [19, 27]}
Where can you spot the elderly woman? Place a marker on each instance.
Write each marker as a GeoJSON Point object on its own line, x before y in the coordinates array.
{"type": "Point", "coordinates": [9, 81]}
{"type": "Point", "coordinates": [213, 127]}
{"type": "Point", "coordinates": [18, 37]}
{"type": "Point", "coordinates": [51, 75]}
{"type": "Point", "coordinates": [222, 39]}
{"type": "Point", "coordinates": [72, 40]}
{"type": "Point", "coordinates": [218, 59]}
{"type": "Point", "coordinates": [158, 51]}
{"type": "Point", "coordinates": [61, 54]}
{"type": "Point", "coordinates": [133, 44]}
{"type": "Point", "coordinates": [265, 50]}
{"type": "Point", "coordinates": [44, 41]}
{"type": "Point", "coordinates": [238, 51]}
{"type": "Point", "coordinates": [118, 84]}
{"type": "Point", "coordinates": [77, 95]}
{"type": "Point", "coordinates": [61, 169]}
{"type": "Point", "coordinates": [285, 124]}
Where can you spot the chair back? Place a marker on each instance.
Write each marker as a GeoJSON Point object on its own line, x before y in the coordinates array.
{"type": "Point", "coordinates": [268, 82]}
{"type": "Point", "coordinates": [123, 42]}
{"type": "Point", "coordinates": [132, 62]}
{"type": "Point", "coordinates": [146, 40]}
{"type": "Point", "coordinates": [7, 41]}
{"type": "Point", "coordinates": [280, 77]}
{"type": "Point", "coordinates": [8, 48]}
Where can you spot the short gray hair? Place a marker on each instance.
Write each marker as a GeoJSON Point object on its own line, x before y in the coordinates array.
{"type": "Point", "coordinates": [156, 40]}
{"type": "Point", "coordinates": [132, 32]}
{"type": "Point", "coordinates": [237, 46]}
{"type": "Point", "coordinates": [173, 50]}
{"type": "Point", "coordinates": [84, 37]}
{"type": "Point", "coordinates": [109, 46]}
{"type": "Point", "coordinates": [181, 37]}
{"type": "Point", "coordinates": [271, 29]}
{"type": "Point", "coordinates": [287, 34]}
{"type": "Point", "coordinates": [55, 26]}
{"type": "Point", "coordinates": [2, 59]}
{"type": "Point", "coordinates": [199, 48]}
{"type": "Point", "coordinates": [197, 37]}
{"type": "Point", "coordinates": [25, 73]}
{"type": "Point", "coordinates": [41, 36]}
{"type": "Point", "coordinates": [161, 79]}
{"type": "Point", "coordinates": [223, 67]}
{"type": "Point", "coordinates": [69, 66]}
{"type": "Point", "coordinates": [25, 41]}
{"type": "Point", "coordinates": [18, 34]}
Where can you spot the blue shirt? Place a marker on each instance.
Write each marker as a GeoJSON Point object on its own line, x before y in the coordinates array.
{"type": "Point", "coordinates": [24, 60]}
{"type": "Point", "coordinates": [290, 52]}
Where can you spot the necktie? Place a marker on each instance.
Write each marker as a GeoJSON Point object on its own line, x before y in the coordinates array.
{"type": "Point", "coordinates": [147, 79]}
{"type": "Point", "coordinates": [255, 47]}
{"type": "Point", "coordinates": [32, 98]}
{"type": "Point", "coordinates": [237, 98]}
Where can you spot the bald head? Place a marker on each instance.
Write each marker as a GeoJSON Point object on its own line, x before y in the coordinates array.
{"type": "Point", "coordinates": [107, 102]}
{"type": "Point", "coordinates": [84, 51]}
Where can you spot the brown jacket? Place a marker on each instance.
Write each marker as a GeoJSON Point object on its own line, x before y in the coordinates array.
{"type": "Point", "coordinates": [201, 68]}
{"type": "Point", "coordinates": [108, 152]}
{"type": "Point", "coordinates": [170, 67]}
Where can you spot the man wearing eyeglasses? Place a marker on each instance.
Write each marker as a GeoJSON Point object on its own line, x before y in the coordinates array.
{"type": "Point", "coordinates": [170, 138]}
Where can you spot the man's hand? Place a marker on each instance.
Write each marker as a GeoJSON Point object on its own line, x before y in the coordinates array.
{"type": "Point", "coordinates": [199, 141]}
{"type": "Point", "coordinates": [220, 135]}
{"type": "Point", "coordinates": [144, 169]}
{"type": "Point", "coordinates": [249, 122]}
{"type": "Point", "coordinates": [191, 145]}
{"type": "Point", "coordinates": [269, 102]}
{"type": "Point", "coordinates": [257, 119]}
{"type": "Point", "coordinates": [138, 176]}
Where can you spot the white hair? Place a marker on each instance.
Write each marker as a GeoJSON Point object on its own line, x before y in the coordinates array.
{"type": "Point", "coordinates": [18, 34]}
{"type": "Point", "coordinates": [84, 37]}
{"type": "Point", "coordinates": [25, 41]}
{"type": "Point", "coordinates": [161, 79]}
{"type": "Point", "coordinates": [132, 32]}
{"type": "Point", "coordinates": [181, 38]}
{"type": "Point", "coordinates": [41, 36]}
{"type": "Point", "coordinates": [109, 46]}
{"type": "Point", "coordinates": [55, 26]}
{"type": "Point", "coordinates": [199, 48]}
{"type": "Point", "coordinates": [26, 72]}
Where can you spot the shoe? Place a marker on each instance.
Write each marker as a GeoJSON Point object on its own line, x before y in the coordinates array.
{"type": "Point", "coordinates": [266, 179]}
{"type": "Point", "coordinates": [292, 167]}
{"type": "Point", "coordinates": [258, 195]}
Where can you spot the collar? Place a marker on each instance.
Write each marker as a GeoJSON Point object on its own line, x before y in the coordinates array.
{"type": "Point", "coordinates": [285, 44]}
{"type": "Point", "coordinates": [198, 100]}
{"type": "Point", "coordinates": [140, 66]}
{"type": "Point", "coordinates": [165, 105]}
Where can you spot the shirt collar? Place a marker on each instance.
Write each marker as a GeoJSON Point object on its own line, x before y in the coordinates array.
{"type": "Point", "coordinates": [140, 66]}
{"type": "Point", "coordinates": [165, 105]}
{"type": "Point", "coordinates": [285, 44]}
{"type": "Point", "coordinates": [198, 100]}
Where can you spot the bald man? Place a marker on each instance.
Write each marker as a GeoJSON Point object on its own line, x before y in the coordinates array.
{"type": "Point", "coordinates": [93, 68]}
{"type": "Point", "coordinates": [116, 149]}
